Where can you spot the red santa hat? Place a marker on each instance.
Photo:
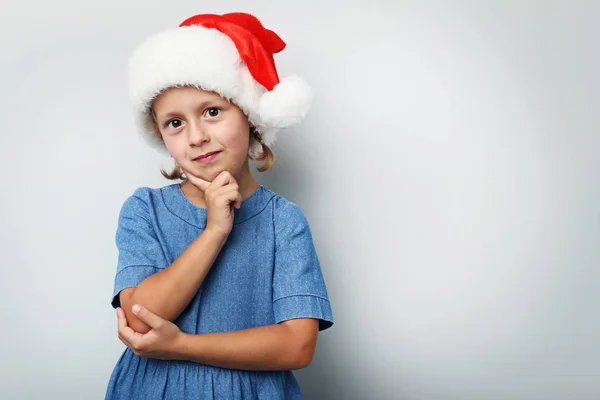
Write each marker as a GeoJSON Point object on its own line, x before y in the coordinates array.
{"type": "Point", "coordinates": [230, 54]}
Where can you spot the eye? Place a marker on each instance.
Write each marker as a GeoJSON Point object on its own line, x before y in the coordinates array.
{"type": "Point", "coordinates": [212, 112]}
{"type": "Point", "coordinates": [173, 123]}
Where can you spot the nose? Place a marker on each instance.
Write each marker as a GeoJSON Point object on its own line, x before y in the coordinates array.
{"type": "Point", "coordinates": [197, 135]}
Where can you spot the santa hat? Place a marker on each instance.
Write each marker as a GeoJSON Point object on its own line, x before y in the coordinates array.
{"type": "Point", "coordinates": [230, 54]}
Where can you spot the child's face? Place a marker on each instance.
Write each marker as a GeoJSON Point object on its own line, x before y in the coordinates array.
{"type": "Point", "coordinates": [194, 123]}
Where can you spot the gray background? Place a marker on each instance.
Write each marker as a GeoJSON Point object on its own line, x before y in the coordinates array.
{"type": "Point", "coordinates": [449, 171]}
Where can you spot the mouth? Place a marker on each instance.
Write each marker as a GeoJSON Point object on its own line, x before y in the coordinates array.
{"type": "Point", "coordinates": [207, 157]}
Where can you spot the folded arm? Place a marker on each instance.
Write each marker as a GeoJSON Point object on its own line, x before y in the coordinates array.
{"type": "Point", "coordinates": [286, 346]}
{"type": "Point", "coordinates": [168, 292]}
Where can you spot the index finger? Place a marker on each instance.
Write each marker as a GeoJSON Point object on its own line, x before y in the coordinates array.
{"type": "Point", "coordinates": [198, 182]}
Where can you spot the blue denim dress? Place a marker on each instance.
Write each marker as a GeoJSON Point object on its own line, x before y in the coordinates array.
{"type": "Point", "coordinates": [266, 273]}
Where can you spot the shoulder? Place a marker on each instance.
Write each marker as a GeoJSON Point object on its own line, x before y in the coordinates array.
{"type": "Point", "coordinates": [142, 201]}
{"type": "Point", "coordinates": [288, 217]}
{"type": "Point", "coordinates": [285, 210]}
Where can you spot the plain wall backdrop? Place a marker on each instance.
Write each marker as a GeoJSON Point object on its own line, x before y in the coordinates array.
{"type": "Point", "coordinates": [448, 169]}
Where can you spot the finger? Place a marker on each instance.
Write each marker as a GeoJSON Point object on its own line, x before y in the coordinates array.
{"type": "Point", "coordinates": [232, 187]}
{"type": "Point", "coordinates": [235, 198]}
{"type": "Point", "coordinates": [238, 201]}
{"type": "Point", "coordinates": [151, 319]}
{"type": "Point", "coordinates": [125, 341]}
{"type": "Point", "coordinates": [201, 183]}
{"type": "Point", "coordinates": [223, 179]}
{"type": "Point", "coordinates": [198, 182]}
{"type": "Point", "coordinates": [126, 334]}
{"type": "Point", "coordinates": [230, 195]}
{"type": "Point", "coordinates": [121, 319]}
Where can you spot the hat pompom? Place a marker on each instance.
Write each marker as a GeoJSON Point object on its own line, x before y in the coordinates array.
{"type": "Point", "coordinates": [287, 104]}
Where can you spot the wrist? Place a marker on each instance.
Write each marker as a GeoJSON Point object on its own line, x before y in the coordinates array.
{"type": "Point", "coordinates": [181, 347]}
{"type": "Point", "coordinates": [186, 347]}
{"type": "Point", "coordinates": [216, 233]}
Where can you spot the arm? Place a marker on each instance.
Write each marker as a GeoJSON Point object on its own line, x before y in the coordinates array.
{"type": "Point", "coordinates": [285, 346]}
{"type": "Point", "coordinates": [169, 291]}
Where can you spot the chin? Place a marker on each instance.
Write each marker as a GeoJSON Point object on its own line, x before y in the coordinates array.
{"type": "Point", "coordinates": [208, 174]}
{"type": "Point", "coordinates": [211, 171]}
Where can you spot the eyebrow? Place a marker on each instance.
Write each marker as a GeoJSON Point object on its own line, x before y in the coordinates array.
{"type": "Point", "coordinates": [204, 104]}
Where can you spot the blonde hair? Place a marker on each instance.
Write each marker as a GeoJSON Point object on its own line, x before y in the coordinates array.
{"type": "Point", "coordinates": [266, 157]}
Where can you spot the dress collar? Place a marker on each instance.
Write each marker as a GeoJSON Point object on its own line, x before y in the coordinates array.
{"type": "Point", "coordinates": [179, 205]}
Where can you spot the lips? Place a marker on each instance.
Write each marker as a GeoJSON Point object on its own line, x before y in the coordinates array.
{"type": "Point", "coordinates": [207, 158]}
{"type": "Point", "coordinates": [206, 155]}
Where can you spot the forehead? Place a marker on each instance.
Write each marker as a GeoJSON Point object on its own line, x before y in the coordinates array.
{"type": "Point", "coordinates": [183, 96]}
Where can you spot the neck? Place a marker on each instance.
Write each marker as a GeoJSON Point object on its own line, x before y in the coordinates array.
{"type": "Point", "coordinates": [247, 181]}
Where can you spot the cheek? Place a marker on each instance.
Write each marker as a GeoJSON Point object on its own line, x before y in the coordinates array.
{"type": "Point", "coordinates": [175, 150]}
{"type": "Point", "coordinates": [240, 149]}
{"type": "Point", "coordinates": [239, 140]}
{"type": "Point", "coordinates": [235, 142]}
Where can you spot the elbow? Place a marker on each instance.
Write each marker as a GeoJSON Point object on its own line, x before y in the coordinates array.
{"type": "Point", "coordinates": [135, 324]}
{"type": "Point", "coordinates": [303, 333]}
{"type": "Point", "coordinates": [303, 360]}
{"type": "Point", "coordinates": [304, 354]}
{"type": "Point", "coordinates": [127, 302]}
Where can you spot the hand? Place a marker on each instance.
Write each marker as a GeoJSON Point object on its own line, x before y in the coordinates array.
{"type": "Point", "coordinates": [221, 196]}
{"type": "Point", "coordinates": [160, 342]}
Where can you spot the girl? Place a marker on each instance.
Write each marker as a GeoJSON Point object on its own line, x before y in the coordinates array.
{"type": "Point", "coordinates": [219, 292]}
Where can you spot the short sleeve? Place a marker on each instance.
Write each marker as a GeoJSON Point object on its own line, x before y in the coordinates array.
{"type": "Point", "coordinates": [139, 252]}
{"type": "Point", "coordinates": [299, 289]}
